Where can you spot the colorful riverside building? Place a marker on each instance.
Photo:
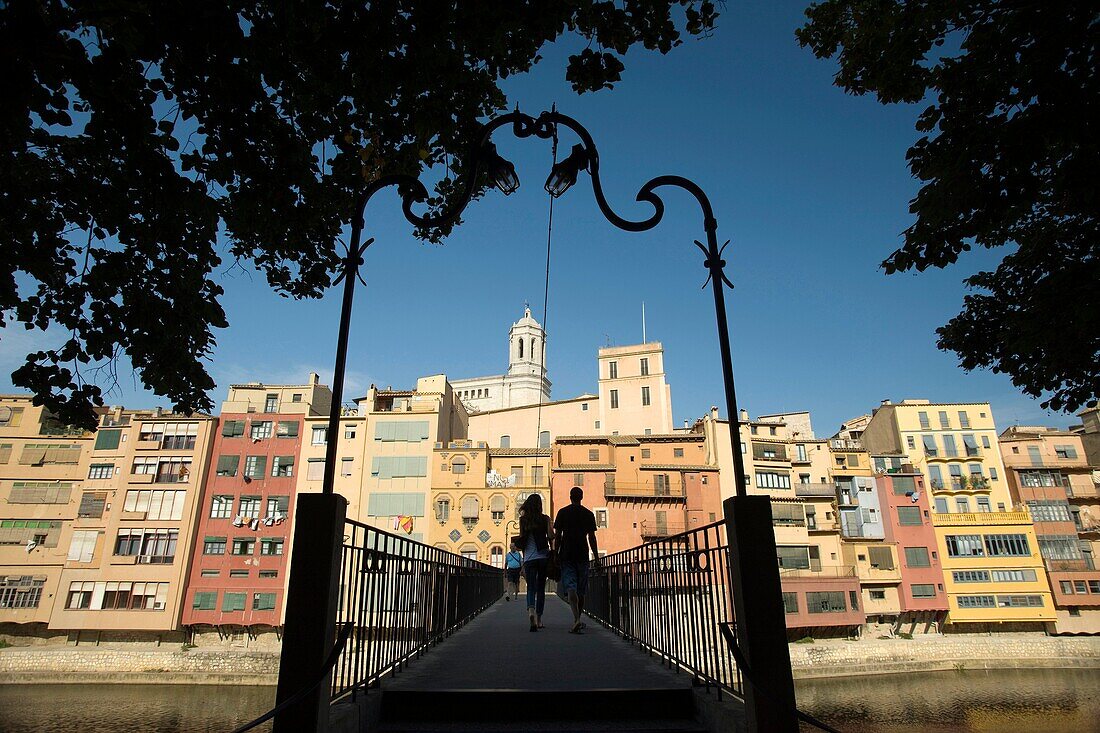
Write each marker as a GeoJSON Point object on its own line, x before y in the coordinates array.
{"type": "Point", "coordinates": [384, 458]}
{"type": "Point", "coordinates": [907, 525]}
{"type": "Point", "coordinates": [126, 570]}
{"type": "Point", "coordinates": [993, 570]}
{"type": "Point", "coordinates": [1049, 473]}
{"type": "Point", "coordinates": [41, 480]}
{"type": "Point", "coordinates": [246, 518]}
{"type": "Point", "coordinates": [821, 592]}
{"type": "Point", "coordinates": [476, 493]}
{"type": "Point", "coordinates": [641, 487]}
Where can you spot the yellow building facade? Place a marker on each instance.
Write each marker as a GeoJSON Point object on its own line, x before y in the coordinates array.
{"type": "Point", "coordinates": [993, 570]}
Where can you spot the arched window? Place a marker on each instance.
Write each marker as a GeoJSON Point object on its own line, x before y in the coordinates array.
{"type": "Point", "coordinates": [534, 348]}
{"type": "Point", "coordinates": [521, 348]}
{"type": "Point", "coordinates": [544, 439]}
{"type": "Point", "coordinates": [470, 509]}
{"type": "Point", "coordinates": [496, 556]}
{"type": "Point", "coordinates": [497, 504]}
{"type": "Point", "coordinates": [443, 509]}
{"type": "Point", "coordinates": [506, 441]}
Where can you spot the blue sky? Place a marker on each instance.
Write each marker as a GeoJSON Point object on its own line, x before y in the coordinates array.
{"type": "Point", "coordinates": [810, 184]}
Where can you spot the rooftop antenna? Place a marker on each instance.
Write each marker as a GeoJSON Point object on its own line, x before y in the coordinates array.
{"type": "Point", "coordinates": [643, 323]}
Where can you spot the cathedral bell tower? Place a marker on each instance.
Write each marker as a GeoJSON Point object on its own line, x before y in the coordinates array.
{"type": "Point", "coordinates": [526, 347]}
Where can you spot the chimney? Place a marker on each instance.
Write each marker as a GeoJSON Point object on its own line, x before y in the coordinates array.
{"type": "Point", "coordinates": [314, 378]}
{"type": "Point", "coordinates": [685, 424]}
{"type": "Point", "coordinates": [743, 415]}
{"type": "Point", "coordinates": [886, 402]}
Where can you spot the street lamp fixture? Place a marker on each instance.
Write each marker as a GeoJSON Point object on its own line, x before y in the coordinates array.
{"type": "Point", "coordinates": [564, 173]}
{"type": "Point", "coordinates": [501, 172]}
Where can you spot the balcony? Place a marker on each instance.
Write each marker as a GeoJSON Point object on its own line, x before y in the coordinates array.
{"type": "Point", "coordinates": [146, 445]}
{"type": "Point", "coordinates": [815, 490]}
{"type": "Point", "coordinates": [141, 478]}
{"type": "Point", "coordinates": [1085, 564]}
{"type": "Point", "coordinates": [817, 571]}
{"type": "Point", "coordinates": [639, 490]}
{"type": "Point", "coordinates": [155, 559]}
{"type": "Point", "coordinates": [657, 530]}
{"type": "Point", "coordinates": [847, 498]}
{"type": "Point", "coordinates": [978, 519]}
{"type": "Point", "coordinates": [1083, 490]}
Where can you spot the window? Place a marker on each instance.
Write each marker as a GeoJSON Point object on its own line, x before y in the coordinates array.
{"type": "Point", "coordinates": [800, 452]}
{"type": "Point", "coordinates": [506, 441]}
{"type": "Point", "coordinates": [825, 602]}
{"type": "Point", "coordinates": [269, 573]}
{"type": "Point", "coordinates": [614, 399]}
{"type": "Point", "coordinates": [12, 416]}
{"type": "Point", "coordinates": [1094, 586]}
{"type": "Point", "coordinates": [985, 441]}
{"type": "Point", "coordinates": [962, 504]}
{"type": "Point", "coordinates": [287, 429]}
{"type": "Point", "coordinates": [210, 573]}
{"type": "Point", "coordinates": [578, 479]}
{"type": "Point", "coordinates": [593, 454]}
{"type": "Point", "coordinates": [544, 439]}
{"type": "Point", "coordinates": [645, 453]}
{"type": "Point", "coordinates": [497, 505]}
{"type": "Point", "coordinates": [296, 397]}
{"type": "Point", "coordinates": [261, 429]}
{"type": "Point", "coordinates": [773, 480]}
{"type": "Point", "coordinates": [909, 516]}
{"type": "Point", "coordinates": [101, 470]}
{"type": "Point", "coordinates": [964, 419]}
{"type": "Point", "coordinates": [271, 546]}
{"type": "Point", "coordinates": [458, 465]}
{"type": "Point", "coordinates": [1059, 547]}
{"type": "Point", "coordinates": [970, 576]}
{"type": "Point", "coordinates": [233, 601]}
{"type": "Point", "coordinates": [797, 557]}
{"type": "Point", "coordinates": [470, 510]}
{"type": "Point", "coordinates": [159, 504]}
{"type": "Point", "coordinates": [923, 417]}
{"type": "Point", "coordinates": [790, 602]}
{"type": "Point", "coordinates": [677, 452]}
{"type": "Point", "coordinates": [277, 506]}
{"type": "Point", "coordinates": [949, 448]}
{"type": "Point", "coordinates": [250, 507]}
{"type": "Point", "coordinates": [282, 466]}
{"type": "Point", "coordinates": [179, 436]}
{"type": "Point", "coordinates": [205, 601]}
{"type": "Point", "coordinates": [601, 518]}
{"type": "Point", "coordinates": [930, 445]}
{"type": "Point", "coordinates": [1013, 576]}
{"type": "Point", "coordinates": [880, 557]}
{"type": "Point", "coordinates": [243, 545]}
{"type": "Point", "coordinates": [910, 441]}
{"type": "Point", "coordinates": [983, 504]}
{"type": "Point", "coordinates": [1065, 451]}
{"type": "Point", "coordinates": [923, 590]}
{"type": "Point", "coordinates": [537, 476]}
{"type": "Point", "coordinates": [173, 470]}
{"type": "Point", "coordinates": [1019, 601]}
{"type": "Point", "coordinates": [976, 602]}
{"type": "Point", "coordinates": [346, 465]}
{"type": "Point", "coordinates": [232, 428]}
{"type": "Point", "coordinates": [213, 546]}
{"type": "Point", "coordinates": [1037, 479]}
{"type": "Point", "coordinates": [319, 436]}
{"type": "Point", "coordinates": [80, 594]}
{"type": "Point", "coordinates": [1007, 545]}
{"type": "Point", "coordinates": [945, 423]}
{"type": "Point", "coordinates": [82, 546]}
{"type": "Point", "coordinates": [92, 505]}
{"type": "Point", "coordinates": [315, 469]}
{"type": "Point", "coordinates": [442, 510]}
{"type": "Point", "coordinates": [964, 545]}
{"type": "Point", "coordinates": [917, 557]}
{"type": "Point", "coordinates": [597, 425]}
{"type": "Point", "coordinates": [496, 556]}
{"type": "Point", "coordinates": [227, 465]}
{"type": "Point", "coordinates": [144, 467]}
{"type": "Point", "coordinates": [1049, 511]}
{"type": "Point", "coordinates": [255, 466]}
{"type": "Point", "coordinates": [645, 396]}
{"type": "Point", "coordinates": [128, 542]}
{"type": "Point", "coordinates": [613, 369]}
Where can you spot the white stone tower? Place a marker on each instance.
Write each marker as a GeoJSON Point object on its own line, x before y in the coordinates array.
{"type": "Point", "coordinates": [525, 382]}
{"type": "Point", "coordinates": [526, 346]}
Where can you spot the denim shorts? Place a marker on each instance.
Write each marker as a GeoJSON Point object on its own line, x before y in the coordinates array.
{"type": "Point", "coordinates": [574, 576]}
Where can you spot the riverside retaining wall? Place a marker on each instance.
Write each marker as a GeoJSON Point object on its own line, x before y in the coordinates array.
{"type": "Point", "coordinates": [838, 657]}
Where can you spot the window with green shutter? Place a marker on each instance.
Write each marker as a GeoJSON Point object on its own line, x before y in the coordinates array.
{"type": "Point", "coordinates": [107, 439]}
{"type": "Point", "coordinates": [205, 601]}
{"type": "Point", "coordinates": [233, 601]}
{"type": "Point", "coordinates": [287, 429]}
{"type": "Point", "coordinates": [232, 428]}
{"type": "Point", "coordinates": [263, 602]}
{"type": "Point", "coordinates": [227, 465]}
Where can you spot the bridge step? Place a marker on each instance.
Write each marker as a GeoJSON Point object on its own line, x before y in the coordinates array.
{"type": "Point", "coordinates": [668, 709]}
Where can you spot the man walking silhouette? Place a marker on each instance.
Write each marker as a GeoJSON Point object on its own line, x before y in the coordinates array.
{"type": "Point", "coordinates": [575, 528]}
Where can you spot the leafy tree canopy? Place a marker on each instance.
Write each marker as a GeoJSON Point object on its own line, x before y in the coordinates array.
{"type": "Point", "coordinates": [1009, 154]}
{"type": "Point", "coordinates": [139, 137]}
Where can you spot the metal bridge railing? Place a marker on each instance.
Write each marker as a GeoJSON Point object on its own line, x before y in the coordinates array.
{"type": "Point", "coordinates": [672, 596]}
{"type": "Point", "coordinates": [400, 596]}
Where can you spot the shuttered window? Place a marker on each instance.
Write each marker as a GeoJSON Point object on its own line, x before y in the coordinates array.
{"type": "Point", "coordinates": [287, 429]}
{"type": "Point", "coordinates": [385, 467]}
{"type": "Point", "coordinates": [227, 465]}
{"type": "Point", "coordinates": [396, 503]}
{"type": "Point", "coordinates": [39, 492]}
{"type": "Point", "coordinates": [107, 439]}
{"type": "Point", "coordinates": [92, 505]}
{"type": "Point", "coordinates": [404, 431]}
{"type": "Point", "coordinates": [880, 557]}
{"type": "Point", "coordinates": [788, 515]}
{"type": "Point", "coordinates": [497, 503]}
{"type": "Point", "coordinates": [233, 428]}
{"type": "Point", "coordinates": [470, 508]}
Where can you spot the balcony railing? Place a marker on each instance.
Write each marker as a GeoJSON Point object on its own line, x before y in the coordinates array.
{"type": "Point", "coordinates": [661, 529]}
{"type": "Point", "coordinates": [979, 518]}
{"type": "Point", "coordinates": [818, 571]}
{"type": "Point", "coordinates": [815, 490]}
{"type": "Point", "coordinates": [626, 489]}
{"type": "Point", "coordinates": [1070, 566]}
{"type": "Point", "coordinates": [1083, 492]}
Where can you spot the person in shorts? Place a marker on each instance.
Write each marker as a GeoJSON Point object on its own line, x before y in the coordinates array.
{"type": "Point", "coordinates": [575, 532]}
{"type": "Point", "coordinates": [513, 566]}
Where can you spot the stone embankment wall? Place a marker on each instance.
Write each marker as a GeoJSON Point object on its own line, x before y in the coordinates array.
{"type": "Point", "coordinates": [839, 657]}
{"type": "Point", "coordinates": [137, 666]}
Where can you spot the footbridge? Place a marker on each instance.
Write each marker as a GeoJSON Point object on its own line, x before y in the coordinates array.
{"type": "Point", "coordinates": [387, 634]}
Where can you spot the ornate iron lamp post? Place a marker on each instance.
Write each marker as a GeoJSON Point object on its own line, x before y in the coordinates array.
{"type": "Point", "coordinates": [761, 631]}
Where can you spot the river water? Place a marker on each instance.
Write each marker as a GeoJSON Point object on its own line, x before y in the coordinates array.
{"type": "Point", "coordinates": [1009, 701]}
